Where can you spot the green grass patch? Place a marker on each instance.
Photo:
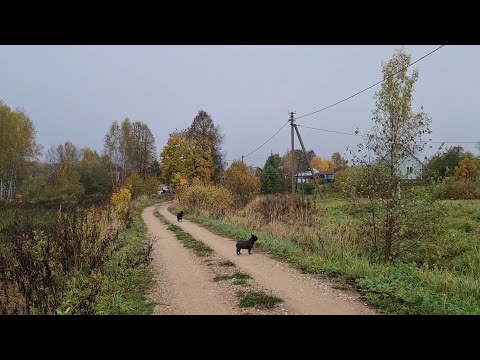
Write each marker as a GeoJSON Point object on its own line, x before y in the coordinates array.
{"type": "Point", "coordinates": [239, 282]}
{"type": "Point", "coordinates": [257, 299]}
{"type": "Point", "coordinates": [190, 242]}
{"type": "Point", "coordinates": [241, 276]}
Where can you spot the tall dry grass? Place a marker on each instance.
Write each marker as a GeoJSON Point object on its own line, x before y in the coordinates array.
{"type": "Point", "coordinates": [284, 216]}
{"type": "Point", "coordinates": [294, 218]}
{"type": "Point", "coordinates": [215, 201]}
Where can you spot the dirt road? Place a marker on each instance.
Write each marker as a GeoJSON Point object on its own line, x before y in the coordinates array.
{"type": "Point", "coordinates": [183, 283]}
{"type": "Point", "coordinates": [303, 293]}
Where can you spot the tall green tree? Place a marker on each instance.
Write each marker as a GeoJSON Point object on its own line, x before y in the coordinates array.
{"type": "Point", "coordinates": [272, 178]}
{"type": "Point", "coordinates": [443, 164]}
{"type": "Point", "coordinates": [154, 169]}
{"type": "Point", "coordinates": [94, 176]}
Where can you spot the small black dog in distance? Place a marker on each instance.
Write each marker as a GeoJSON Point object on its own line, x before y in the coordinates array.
{"type": "Point", "coordinates": [246, 244]}
{"type": "Point", "coordinates": [180, 216]}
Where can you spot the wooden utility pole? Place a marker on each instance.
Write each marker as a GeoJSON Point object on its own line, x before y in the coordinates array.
{"type": "Point", "coordinates": [306, 157]}
{"type": "Point", "coordinates": [292, 124]}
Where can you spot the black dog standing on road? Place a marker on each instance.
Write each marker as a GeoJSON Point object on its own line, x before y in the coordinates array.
{"type": "Point", "coordinates": [180, 216]}
{"type": "Point", "coordinates": [246, 245]}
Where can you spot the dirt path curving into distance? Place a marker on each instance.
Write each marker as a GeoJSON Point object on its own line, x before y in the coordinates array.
{"type": "Point", "coordinates": [183, 284]}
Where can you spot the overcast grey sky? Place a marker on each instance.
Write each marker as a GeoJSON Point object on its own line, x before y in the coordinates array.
{"type": "Point", "coordinates": [75, 92]}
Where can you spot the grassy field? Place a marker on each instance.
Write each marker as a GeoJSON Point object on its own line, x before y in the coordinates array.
{"type": "Point", "coordinates": [443, 279]}
{"type": "Point", "coordinates": [121, 284]}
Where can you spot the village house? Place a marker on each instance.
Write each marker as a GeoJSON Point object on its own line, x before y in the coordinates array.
{"type": "Point", "coordinates": [410, 168]}
{"type": "Point", "coordinates": [306, 176]}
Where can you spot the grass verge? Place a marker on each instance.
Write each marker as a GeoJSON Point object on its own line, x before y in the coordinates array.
{"type": "Point", "coordinates": [128, 274]}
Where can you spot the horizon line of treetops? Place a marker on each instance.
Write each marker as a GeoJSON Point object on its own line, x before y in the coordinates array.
{"type": "Point", "coordinates": [130, 157]}
{"type": "Point", "coordinates": [129, 154]}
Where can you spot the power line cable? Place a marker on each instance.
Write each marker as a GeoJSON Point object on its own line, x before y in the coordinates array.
{"type": "Point", "coordinates": [332, 131]}
{"type": "Point", "coordinates": [271, 137]}
{"type": "Point", "coordinates": [358, 93]}
{"type": "Point", "coordinates": [430, 142]}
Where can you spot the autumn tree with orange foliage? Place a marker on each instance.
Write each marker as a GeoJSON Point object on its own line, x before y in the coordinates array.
{"type": "Point", "coordinates": [244, 184]}
{"type": "Point", "coordinates": [322, 164]}
{"type": "Point", "coordinates": [467, 169]}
